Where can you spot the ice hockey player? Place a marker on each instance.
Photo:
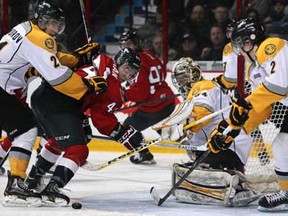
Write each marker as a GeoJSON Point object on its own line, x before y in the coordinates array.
{"type": "Point", "coordinates": [220, 178]}
{"type": "Point", "coordinates": [249, 39]}
{"type": "Point", "coordinates": [150, 85]}
{"type": "Point", "coordinates": [102, 107]}
{"type": "Point", "coordinates": [31, 44]}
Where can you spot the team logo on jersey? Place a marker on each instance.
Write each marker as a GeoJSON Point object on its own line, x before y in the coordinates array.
{"type": "Point", "coordinates": [49, 43]}
{"type": "Point", "coordinates": [270, 49]}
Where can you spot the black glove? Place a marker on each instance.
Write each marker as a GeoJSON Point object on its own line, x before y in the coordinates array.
{"type": "Point", "coordinates": [96, 84]}
{"type": "Point", "coordinates": [86, 53]}
{"type": "Point", "coordinates": [239, 111]}
{"type": "Point", "coordinates": [218, 141]}
{"type": "Point", "coordinates": [87, 128]}
{"type": "Point", "coordinates": [128, 136]}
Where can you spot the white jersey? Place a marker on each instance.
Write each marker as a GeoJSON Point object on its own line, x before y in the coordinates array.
{"type": "Point", "coordinates": [28, 46]}
{"type": "Point", "coordinates": [214, 99]}
{"type": "Point", "coordinates": [271, 56]}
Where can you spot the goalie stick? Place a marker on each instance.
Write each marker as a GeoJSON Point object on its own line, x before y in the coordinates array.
{"type": "Point", "coordinates": [154, 193]}
{"type": "Point", "coordinates": [95, 167]}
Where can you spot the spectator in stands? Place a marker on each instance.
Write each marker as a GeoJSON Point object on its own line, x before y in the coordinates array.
{"type": "Point", "coordinates": [157, 45]}
{"type": "Point", "coordinates": [189, 47]}
{"type": "Point", "coordinates": [198, 23]}
{"type": "Point", "coordinates": [262, 6]}
{"type": "Point", "coordinates": [253, 13]}
{"type": "Point", "coordinates": [221, 15]}
{"type": "Point", "coordinates": [218, 41]}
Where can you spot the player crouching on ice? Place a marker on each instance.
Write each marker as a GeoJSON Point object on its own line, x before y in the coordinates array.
{"type": "Point", "coordinates": [220, 178]}
{"type": "Point", "coordinates": [102, 106]}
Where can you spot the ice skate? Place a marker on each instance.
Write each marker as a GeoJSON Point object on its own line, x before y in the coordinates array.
{"type": "Point", "coordinates": [35, 179]}
{"type": "Point", "coordinates": [53, 196]}
{"type": "Point", "coordinates": [143, 158]}
{"type": "Point", "coordinates": [18, 194]}
{"type": "Point", "coordinates": [274, 202]}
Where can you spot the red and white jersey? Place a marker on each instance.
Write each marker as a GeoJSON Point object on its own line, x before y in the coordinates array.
{"type": "Point", "coordinates": [150, 84]}
{"type": "Point", "coordinates": [102, 105]}
{"type": "Point", "coordinates": [28, 46]}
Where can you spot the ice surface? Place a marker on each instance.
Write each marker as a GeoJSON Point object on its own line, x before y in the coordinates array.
{"type": "Point", "coordinates": [123, 190]}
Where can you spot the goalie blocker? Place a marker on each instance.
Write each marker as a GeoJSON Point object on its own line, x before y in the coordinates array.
{"type": "Point", "coordinates": [213, 187]}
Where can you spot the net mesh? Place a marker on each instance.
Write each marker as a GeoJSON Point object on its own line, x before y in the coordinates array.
{"type": "Point", "coordinates": [260, 167]}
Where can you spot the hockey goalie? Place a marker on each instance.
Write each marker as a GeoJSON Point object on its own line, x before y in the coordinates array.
{"type": "Point", "coordinates": [220, 179]}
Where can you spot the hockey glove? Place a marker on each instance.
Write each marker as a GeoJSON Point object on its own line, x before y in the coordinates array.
{"type": "Point", "coordinates": [218, 141]}
{"type": "Point", "coordinates": [239, 111]}
{"type": "Point", "coordinates": [87, 52]}
{"type": "Point", "coordinates": [128, 136]}
{"type": "Point", "coordinates": [87, 128]}
{"type": "Point", "coordinates": [96, 84]}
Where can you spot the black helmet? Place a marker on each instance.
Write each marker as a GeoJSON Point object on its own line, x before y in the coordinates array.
{"type": "Point", "coordinates": [127, 56]}
{"type": "Point", "coordinates": [247, 30]}
{"type": "Point", "coordinates": [46, 11]}
{"type": "Point", "coordinates": [131, 35]}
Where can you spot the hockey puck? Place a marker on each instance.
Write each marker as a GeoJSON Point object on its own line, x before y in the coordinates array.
{"type": "Point", "coordinates": [76, 205]}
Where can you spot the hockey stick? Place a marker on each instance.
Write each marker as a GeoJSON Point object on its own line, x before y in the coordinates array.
{"type": "Point", "coordinates": [148, 102]}
{"type": "Point", "coordinates": [82, 7]}
{"type": "Point", "coordinates": [3, 161]}
{"type": "Point", "coordinates": [95, 167]}
{"type": "Point", "coordinates": [165, 143]}
{"type": "Point", "coordinates": [212, 115]}
{"type": "Point", "coordinates": [155, 195]}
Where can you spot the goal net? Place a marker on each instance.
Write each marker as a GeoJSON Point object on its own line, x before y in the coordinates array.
{"type": "Point", "coordinates": [260, 165]}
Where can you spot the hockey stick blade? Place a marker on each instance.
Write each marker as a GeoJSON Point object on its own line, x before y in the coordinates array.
{"type": "Point", "coordinates": [154, 193]}
{"type": "Point", "coordinates": [95, 167]}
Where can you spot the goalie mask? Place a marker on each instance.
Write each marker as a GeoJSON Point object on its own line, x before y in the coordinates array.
{"type": "Point", "coordinates": [185, 73]}
{"type": "Point", "coordinates": [50, 16]}
{"type": "Point", "coordinates": [247, 33]}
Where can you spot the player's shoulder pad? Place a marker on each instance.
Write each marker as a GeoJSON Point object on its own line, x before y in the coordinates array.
{"type": "Point", "coordinates": [227, 49]}
{"type": "Point", "coordinates": [199, 87]}
{"type": "Point", "coordinates": [269, 48]}
{"type": "Point", "coordinates": [41, 39]}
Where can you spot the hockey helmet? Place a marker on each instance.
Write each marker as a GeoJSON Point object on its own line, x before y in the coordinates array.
{"type": "Point", "coordinates": [247, 31]}
{"type": "Point", "coordinates": [129, 57]}
{"type": "Point", "coordinates": [47, 11]}
{"type": "Point", "coordinates": [185, 73]}
{"type": "Point", "coordinates": [129, 35]}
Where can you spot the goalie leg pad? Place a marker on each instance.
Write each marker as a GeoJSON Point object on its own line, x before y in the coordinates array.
{"type": "Point", "coordinates": [213, 187]}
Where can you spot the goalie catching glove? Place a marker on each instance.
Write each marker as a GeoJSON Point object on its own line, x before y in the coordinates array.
{"type": "Point", "coordinates": [127, 135]}
{"type": "Point", "coordinates": [239, 111]}
{"type": "Point", "coordinates": [87, 52]}
{"type": "Point", "coordinates": [218, 141]}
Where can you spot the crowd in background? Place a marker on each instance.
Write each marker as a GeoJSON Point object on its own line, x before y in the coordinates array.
{"type": "Point", "coordinates": [196, 27]}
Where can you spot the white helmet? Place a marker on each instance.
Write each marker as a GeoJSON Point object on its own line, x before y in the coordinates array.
{"type": "Point", "coordinates": [185, 73]}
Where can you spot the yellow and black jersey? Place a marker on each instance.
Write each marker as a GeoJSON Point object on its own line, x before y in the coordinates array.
{"type": "Point", "coordinates": [272, 57]}
{"type": "Point", "coordinates": [28, 46]}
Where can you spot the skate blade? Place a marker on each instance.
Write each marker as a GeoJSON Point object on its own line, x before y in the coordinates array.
{"type": "Point", "coordinates": [150, 162]}
{"type": "Point", "coordinates": [14, 201]}
{"type": "Point", "coordinates": [280, 208]}
{"type": "Point", "coordinates": [58, 202]}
